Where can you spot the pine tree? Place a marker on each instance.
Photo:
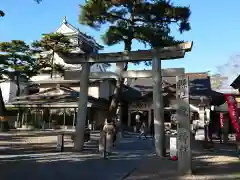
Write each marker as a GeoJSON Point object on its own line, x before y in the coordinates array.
{"type": "Point", "coordinates": [47, 47]}
{"type": "Point", "coordinates": [17, 61]}
{"type": "Point", "coordinates": [148, 22]}
{"type": "Point", "coordinates": [2, 13]}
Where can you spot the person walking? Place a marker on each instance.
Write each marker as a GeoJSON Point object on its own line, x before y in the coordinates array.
{"type": "Point", "coordinates": [143, 131]}
{"type": "Point", "coordinates": [109, 131]}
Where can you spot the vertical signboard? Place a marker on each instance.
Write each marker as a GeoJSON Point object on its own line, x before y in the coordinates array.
{"type": "Point", "coordinates": [184, 127]}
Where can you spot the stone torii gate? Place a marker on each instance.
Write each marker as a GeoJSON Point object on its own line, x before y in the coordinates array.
{"type": "Point", "coordinates": [154, 55]}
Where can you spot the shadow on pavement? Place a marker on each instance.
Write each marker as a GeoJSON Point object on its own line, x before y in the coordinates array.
{"type": "Point", "coordinates": [36, 162]}
{"type": "Point", "coordinates": [10, 145]}
{"type": "Point", "coordinates": [64, 167]}
{"type": "Point", "coordinates": [220, 164]}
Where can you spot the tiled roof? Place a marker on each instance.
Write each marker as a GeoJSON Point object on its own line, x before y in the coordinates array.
{"type": "Point", "coordinates": [86, 37]}
{"type": "Point", "coordinates": [61, 95]}
{"type": "Point", "coordinates": [199, 84]}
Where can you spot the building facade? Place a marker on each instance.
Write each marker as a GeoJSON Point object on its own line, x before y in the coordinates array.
{"type": "Point", "coordinates": [56, 102]}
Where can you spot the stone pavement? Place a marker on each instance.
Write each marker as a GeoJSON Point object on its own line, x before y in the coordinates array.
{"type": "Point", "coordinates": [220, 164]}
{"type": "Point", "coordinates": [87, 165]}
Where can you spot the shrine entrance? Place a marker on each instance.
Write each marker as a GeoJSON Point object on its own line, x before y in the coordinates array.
{"type": "Point", "coordinates": [154, 55]}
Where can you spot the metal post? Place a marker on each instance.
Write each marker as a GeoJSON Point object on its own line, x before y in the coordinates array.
{"type": "Point", "coordinates": [158, 108]}
{"type": "Point", "coordinates": [82, 107]}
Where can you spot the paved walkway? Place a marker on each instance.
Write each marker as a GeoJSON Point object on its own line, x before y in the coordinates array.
{"type": "Point", "coordinates": [133, 159]}
{"type": "Point", "coordinates": [129, 153]}
{"type": "Point", "coordinates": [221, 164]}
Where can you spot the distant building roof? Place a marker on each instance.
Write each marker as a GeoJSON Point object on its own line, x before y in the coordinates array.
{"type": "Point", "coordinates": [57, 97]}
{"type": "Point", "coordinates": [200, 86]}
{"type": "Point", "coordinates": [88, 39]}
{"type": "Point", "coordinates": [199, 82]}
{"type": "Point", "coordinates": [221, 84]}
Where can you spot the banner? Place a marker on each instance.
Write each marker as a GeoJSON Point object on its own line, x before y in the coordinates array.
{"type": "Point", "coordinates": [221, 119]}
{"type": "Point", "coordinates": [233, 112]}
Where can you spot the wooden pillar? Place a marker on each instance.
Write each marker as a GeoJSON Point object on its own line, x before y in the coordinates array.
{"type": "Point", "coordinates": [35, 116]}
{"type": "Point", "coordinates": [184, 127]}
{"type": "Point", "coordinates": [129, 118]}
{"type": "Point", "coordinates": [50, 119]}
{"type": "Point", "coordinates": [158, 108]}
{"type": "Point", "coordinates": [82, 107]}
{"type": "Point", "coordinates": [64, 118]}
{"type": "Point", "coordinates": [23, 115]}
{"type": "Point", "coordinates": [149, 117]}
{"type": "Point", "coordinates": [74, 117]}
{"type": "Point", "coordinates": [17, 122]}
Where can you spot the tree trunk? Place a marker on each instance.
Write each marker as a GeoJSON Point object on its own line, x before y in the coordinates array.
{"type": "Point", "coordinates": [4, 127]}
{"type": "Point", "coordinates": [17, 81]}
{"type": "Point", "coordinates": [52, 65]}
{"type": "Point", "coordinates": [116, 96]}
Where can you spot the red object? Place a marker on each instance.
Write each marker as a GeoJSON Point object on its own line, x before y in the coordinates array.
{"type": "Point", "coordinates": [233, 113]}
{"type": "Point", "coordinates": [221, 119]}
{"type": "Point", "coordinates": [174, 158]}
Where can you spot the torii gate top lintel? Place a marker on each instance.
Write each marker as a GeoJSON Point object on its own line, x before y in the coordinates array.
{"type": "Point", "coordinates": [166, 53]}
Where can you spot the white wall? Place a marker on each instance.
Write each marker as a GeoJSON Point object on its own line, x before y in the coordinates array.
{"type": "Point", "coordinates": [41, 77]}
{"type": "Point", "coordinates": [9, 90]}
{"type": "Point", "coordinates": [105, 90]}
{"type": "Point", "coordinates": [92, 91]}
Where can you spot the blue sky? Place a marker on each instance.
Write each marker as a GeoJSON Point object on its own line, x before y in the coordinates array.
{"type": "Point", "coordinates": [215, 28]}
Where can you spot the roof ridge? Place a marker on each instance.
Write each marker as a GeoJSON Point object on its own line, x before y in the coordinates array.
{"type": "Point", "coordinates": [86, 37]}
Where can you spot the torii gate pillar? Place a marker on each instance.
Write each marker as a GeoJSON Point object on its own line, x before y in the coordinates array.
{"type": "Point", "coordinates": [158, 105]}
{"type": "Point", "coordinates": [82, 107]}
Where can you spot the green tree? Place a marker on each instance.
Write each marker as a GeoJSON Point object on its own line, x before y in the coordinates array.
{"type": "Point", "coordinates": [47, 47]}
{"type": "Point", "coordinates": [17, 61]}
{"type": "Point", "coordinates": [2, 13]}
{"type": "Point", "coordinates": [148, 22]}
